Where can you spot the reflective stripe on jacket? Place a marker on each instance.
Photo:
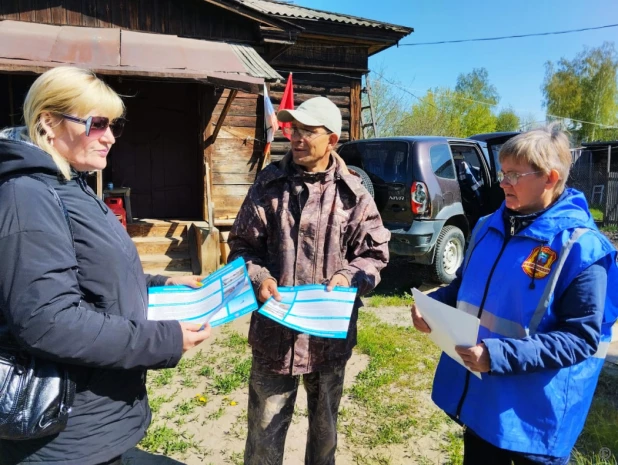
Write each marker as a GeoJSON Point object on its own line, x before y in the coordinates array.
{"type": "Point", "coordinates": [516, 287]}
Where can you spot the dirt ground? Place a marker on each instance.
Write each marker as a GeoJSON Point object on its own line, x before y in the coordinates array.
{"type": "Point", "coordinates": [223, 438]}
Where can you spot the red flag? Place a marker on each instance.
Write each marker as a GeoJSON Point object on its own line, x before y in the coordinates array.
{"type": "Point", "coordinates": [287, 103]}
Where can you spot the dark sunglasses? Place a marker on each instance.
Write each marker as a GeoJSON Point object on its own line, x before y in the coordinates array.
{"type": "Point", "coordinates": [99, 124]}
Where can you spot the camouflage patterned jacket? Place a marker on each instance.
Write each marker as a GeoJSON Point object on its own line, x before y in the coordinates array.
{"type": "Point", "coordinates": [303, 228]}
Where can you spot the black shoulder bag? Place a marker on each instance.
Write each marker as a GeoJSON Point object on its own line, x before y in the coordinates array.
{"type": "Point", "coordinates": [36, 394]}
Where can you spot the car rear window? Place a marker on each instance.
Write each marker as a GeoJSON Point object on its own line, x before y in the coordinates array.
{"type": "Point", "coordinates": [441, 161]}
{"type": "Point", "coordinates": [385, 160]}
{"type": "Point", "coordinates": [495, 151]}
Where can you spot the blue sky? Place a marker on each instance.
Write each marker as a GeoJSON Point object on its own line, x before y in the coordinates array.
{"type": "Point", "coordinates": [515, 66]}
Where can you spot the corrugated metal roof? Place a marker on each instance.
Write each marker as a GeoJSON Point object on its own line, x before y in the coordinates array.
{"type": "Point", "coordinates": [117, 51]}
{"type": "Point", "coordinates": [295, 11]}
{"type": "Point", "coordinates": [254, 63]}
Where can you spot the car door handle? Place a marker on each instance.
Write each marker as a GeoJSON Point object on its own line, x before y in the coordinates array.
{"type": "Point", "coordinates": [397, 208]}
{"type": "Point", "coordinates": [397, 185]}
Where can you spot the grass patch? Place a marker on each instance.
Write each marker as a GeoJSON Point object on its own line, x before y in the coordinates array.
{"type": "Point", "coordinates": [234, 341]}
{"type": "Point", "coordinates": [390, 389]}
{"type": "Point", "coordinates": [219, 374]}
{"type": "Point", "coordinates": [185, 407]}
{"type": "Point", "coordinates": [163, 377]}
{"type": "Point", "coordinates": [610, 228]}
{"type": "Point", "coordinates": [372, 459]}
{"type": "Point", "coordinates": [165, 440]}
{"type": "Point", "coordinates": [229, 382]}
{"type": "Point", "coordinates": [454, 447]}
{"type": "Point", "coordinates": [392, 300]}
{"type": "Point", "coordinates": [157, 402]}
{"type": "Point", "coordinates": [597, 214]}
{"type": "Point", "coordinates": [598, 443]}
{"type": "Point", "coordinates": [236, 458]}
{"type": "Point", "coordinates": [217, 414]}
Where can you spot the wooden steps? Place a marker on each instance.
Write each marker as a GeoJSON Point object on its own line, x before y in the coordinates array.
{"type": "Point", "coordinates": [162, 246]}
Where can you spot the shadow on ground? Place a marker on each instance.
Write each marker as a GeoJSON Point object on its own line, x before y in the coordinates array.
{"type": "Point", "coordinates": [400, 275]}
{"type": "Point", "coordinates": [139, 457]}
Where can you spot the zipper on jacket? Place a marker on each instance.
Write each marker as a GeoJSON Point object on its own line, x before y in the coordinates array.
{"type": "Point", "coordinates": [82, 184]}
{"type": "Point", "coordinates": [299, 236]}
{"type": "Point", "coordinates": [493, 268]}
{"type": "Point", "coordinates": [317, 234]}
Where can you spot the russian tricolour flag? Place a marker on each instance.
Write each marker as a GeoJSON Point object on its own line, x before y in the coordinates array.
{"type": "Point", "coordinates": [270, 121]}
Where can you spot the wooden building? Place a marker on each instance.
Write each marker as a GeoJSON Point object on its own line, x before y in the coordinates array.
{"type": "Point", "coordinates": [192, 74]}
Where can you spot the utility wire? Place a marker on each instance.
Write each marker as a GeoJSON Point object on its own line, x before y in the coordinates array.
{"type": "Point", "coordinates": [518, 36]}
{"type": "Point", "coordinates": [490, 104]}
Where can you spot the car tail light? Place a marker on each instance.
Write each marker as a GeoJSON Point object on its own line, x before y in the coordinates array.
{"type": "Point", "coordinates": [419, 199]}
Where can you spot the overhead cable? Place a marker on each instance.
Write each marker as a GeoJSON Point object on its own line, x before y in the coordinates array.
{"type": "Point", "coordinates": [516, 36]}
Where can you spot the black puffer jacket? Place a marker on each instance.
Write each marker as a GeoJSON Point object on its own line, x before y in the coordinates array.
{"type": "Point", "coordinates": [89, 313]}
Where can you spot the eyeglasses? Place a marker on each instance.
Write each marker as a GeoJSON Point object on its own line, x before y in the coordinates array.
{"type": "Point", "coordinates": [302, 133]}
{"type": "Point", "coordinates": [512, 178]}
{"type": "Point", "coordinates": [99, 124]}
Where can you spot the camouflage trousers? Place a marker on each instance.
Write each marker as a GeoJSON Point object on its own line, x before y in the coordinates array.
{"type": "Point", "coordinates": [271, 405]}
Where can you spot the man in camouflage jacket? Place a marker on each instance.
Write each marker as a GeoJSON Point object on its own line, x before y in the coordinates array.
{"type": "Point", "coordinates": [306, 220]}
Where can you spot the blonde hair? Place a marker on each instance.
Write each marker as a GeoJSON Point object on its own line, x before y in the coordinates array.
{"type": "Point", "coordinates": [68, 90]}
{"type": "Point", "coordinates": [546, 148]}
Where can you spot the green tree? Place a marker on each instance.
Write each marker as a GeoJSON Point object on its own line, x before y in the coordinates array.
{"type": "Point", "coordinates": [389, 105]}
{"type": "Point", "coordinates": [458, 112]}
{"type": "Point", "coordinates": [584, 89]}
{"type": "Point", "coordinates": [475, 99]}
{"type": "Point", "coordinates": [507, 120]}
{"type": "Point", "coordinates": [434, 114]}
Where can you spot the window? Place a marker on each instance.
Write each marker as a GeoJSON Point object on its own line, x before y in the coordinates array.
{"type": "Point", "coordinates": [386, 160]}
{"type": "Point", "coordinates": [470, 156]}
{"type": "Point", "coordinates": [441, 161]}
{"type": "Point", "coordinates": [495, 150]}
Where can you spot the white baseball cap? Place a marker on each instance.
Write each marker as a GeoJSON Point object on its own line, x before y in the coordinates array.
{"type": "Point", "coordinates": [317, 111]}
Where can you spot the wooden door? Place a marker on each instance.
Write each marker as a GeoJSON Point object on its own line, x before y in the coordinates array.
{"type": "Point", "coordinates": [159, 155]}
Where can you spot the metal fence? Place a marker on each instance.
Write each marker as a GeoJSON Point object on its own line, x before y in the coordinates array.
{"type": "Point", "coordinates": [611, 201]}
{"type": "Point", "coordinates": [590, 177]}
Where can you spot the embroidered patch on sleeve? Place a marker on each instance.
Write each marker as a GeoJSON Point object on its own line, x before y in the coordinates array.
{"type": "Point", "coordinates": [541, 257]}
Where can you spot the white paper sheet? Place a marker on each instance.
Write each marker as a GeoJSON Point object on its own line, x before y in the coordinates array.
{"type": "Point", "coordinates": [311, 310]}
{"type": "Point", "coordinates": [450, 326]}
{"type": "Point", "coordinates": [224, 296]}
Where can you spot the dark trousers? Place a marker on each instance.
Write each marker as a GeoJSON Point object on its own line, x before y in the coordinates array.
{"type": "Point", "coordinates": [271, 405]}
{"type": "Point", "coordinates": [480, 452]}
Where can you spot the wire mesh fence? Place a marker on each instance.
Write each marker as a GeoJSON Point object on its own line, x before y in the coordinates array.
{"type": "Point", "coordinates": [589, 176]}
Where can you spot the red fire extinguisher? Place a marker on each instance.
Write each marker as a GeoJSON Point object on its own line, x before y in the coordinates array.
{"type": "Point", "coordinates": [116, 206]}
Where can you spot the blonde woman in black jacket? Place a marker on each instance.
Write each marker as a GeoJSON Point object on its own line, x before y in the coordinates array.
{"type": "Point", "coordinates": [83, 307]}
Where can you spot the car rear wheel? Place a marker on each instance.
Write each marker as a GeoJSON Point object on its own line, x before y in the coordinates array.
{"type": "Point", "coordinates": [365, 180]}
{"type": "Point", "coordinates": [449, 254]}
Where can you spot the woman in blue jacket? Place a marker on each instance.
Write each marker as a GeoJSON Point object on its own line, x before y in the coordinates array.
{"type": "Point", "coordinates": [542, 279]}
{"type": "Point", "coordinates": [81, 303]}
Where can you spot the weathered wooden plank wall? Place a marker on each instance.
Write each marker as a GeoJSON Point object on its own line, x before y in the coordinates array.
{"type": "Point", "coordinates": [188, 18]}
{"type": "Point", "coordinates": [235, 157]}
{"type": "Point", "coordinates": [327, 55]}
